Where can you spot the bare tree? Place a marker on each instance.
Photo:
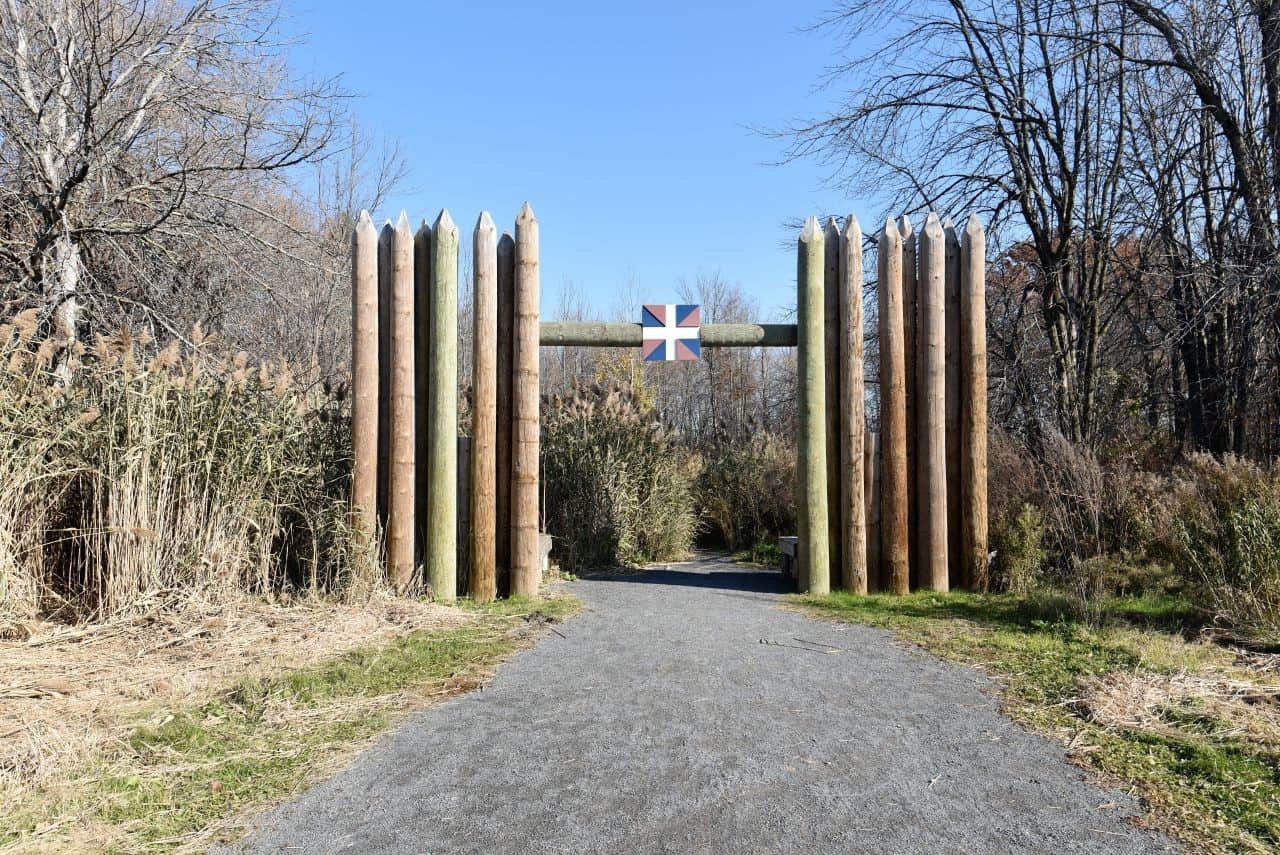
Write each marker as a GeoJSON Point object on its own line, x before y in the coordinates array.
{"type": "Point", "coordinates": [146, 150]}
{"type": "Point", "coordinates": [1007, 109]}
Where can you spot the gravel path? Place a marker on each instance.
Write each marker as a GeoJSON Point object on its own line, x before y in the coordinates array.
{"type": "Point", "coordinates": [662, 723]}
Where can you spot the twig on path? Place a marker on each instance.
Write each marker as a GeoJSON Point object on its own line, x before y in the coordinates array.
{"type": "Point", "coordinates": [829, 651]}
{"type": "Point", "coordinates": [818, 644]}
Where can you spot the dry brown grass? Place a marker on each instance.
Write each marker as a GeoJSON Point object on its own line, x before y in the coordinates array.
{"type": "Point", "coordinates": [68, 691]}
{"type": "Point", "coordinates": [1219, 705]}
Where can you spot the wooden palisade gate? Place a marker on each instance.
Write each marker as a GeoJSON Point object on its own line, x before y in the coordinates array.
{"type": "Point", "coordinates": [902, 507]}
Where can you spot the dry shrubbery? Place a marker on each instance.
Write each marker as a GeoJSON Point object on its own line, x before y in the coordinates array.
{"type": "Point", "coordinates": [618, 487]}
{"type": "Point", "coordinates": [1097, 527]}
{"type": "Point", "coordinates": [159, 476]}
{"type": "Point", "coordinates": [746, 491]}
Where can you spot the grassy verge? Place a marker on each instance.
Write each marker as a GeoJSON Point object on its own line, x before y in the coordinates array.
{"type": "Point", "coordinates": [1193, 727]}
{"type": "Point", "coordinates": [184, 777]}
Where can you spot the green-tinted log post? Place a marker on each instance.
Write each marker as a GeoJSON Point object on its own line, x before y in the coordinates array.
{"type": "Point", "coordinates": [831, 355]}
{"type": "Point", "coordinates": [400, 484]}
{"type": "Point", "coordinates": [526, 569]}
{"type": "Point", "coordinates": [973, 405]}
{"type": "Point", "coordinates": [364, 379]}
{"type": "Point", "coordinates": [442, 437]}
{"type": "Point", "coordinates": [851, 510]}
{"type": "Point", "coordinates": [815, 557]}
{"type": "Point", "coordinates": [484, 390]}
{"type": "Point", "coordinates": [931, 442]}
{"type": "Point", "coordinates": [894, 551]}
{"type": "Point", "coordinates": [422, 377]}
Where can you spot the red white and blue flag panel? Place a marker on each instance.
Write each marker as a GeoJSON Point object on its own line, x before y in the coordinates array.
{"type": "Point", "coordinates": [671, 332]}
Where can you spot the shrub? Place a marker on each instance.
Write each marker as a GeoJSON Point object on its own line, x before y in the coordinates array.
{"type": "Point", "coordinates": [618, 488]}
{"type": "Point", "coordinates": [1228, 527]}
{"type": "Point", "coordinates": [1020, 552]}
{"type": "Point", "coordinates": [150, 479]}
{"type": "Point", "coordinates": [747, 491]}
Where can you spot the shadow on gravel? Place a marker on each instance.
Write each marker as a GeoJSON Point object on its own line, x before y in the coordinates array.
{"type": "Point", "coordinates": [751, 581]}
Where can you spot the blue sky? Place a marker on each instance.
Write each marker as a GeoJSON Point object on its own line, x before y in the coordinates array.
{"type": "Point", "coordinates": [627, 127]}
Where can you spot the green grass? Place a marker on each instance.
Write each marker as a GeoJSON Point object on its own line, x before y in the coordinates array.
{"type": "Point", "coordinates": [186, 771]}
{"type": "Point", "coordinates": [1203, 782]}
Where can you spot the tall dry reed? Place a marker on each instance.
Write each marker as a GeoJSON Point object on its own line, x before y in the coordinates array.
{"type": "Point", "coordinates": [161, 475]}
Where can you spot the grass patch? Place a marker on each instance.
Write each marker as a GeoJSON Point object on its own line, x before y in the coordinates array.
{"type": "Point", "coordinates": [1187, 723]}
{"type": "Point", "coordinates": [185, 776]}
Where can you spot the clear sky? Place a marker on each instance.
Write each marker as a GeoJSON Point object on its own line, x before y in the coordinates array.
{"type": "Point", "coordinates": [628, 127]}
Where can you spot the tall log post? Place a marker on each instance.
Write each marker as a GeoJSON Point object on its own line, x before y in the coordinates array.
{"type": "Point", "coordinates": [894, 551]}
{"type": "Point", "coordinates": [871, 493]}
{"type": "Point", "coordinates": [831, 354]}
{"type": "Point", "coordinates": [484, 425]}
{"type": "Point", "coordinates": [973, 409]}
{"type": "Point", "coordinates": [955, 561]}
{"type": "Point", "coordinates": [910, 358]}
{"type": "Point", "coordinates": [815, 556]}
{"type": "Point", "coordinates": [851, 513]}
{"type": "Point", "coordinates": [931, 437]}
{"type": "Point", "coordinates": [442, 432]}
{"type": "Point", "coordinates": [422, 379]}
{"type": "Point", "coordinates": [400, 485]}
{"type": "Point", "coordinates": [364, 380]}
{"type": "Point", "coordinates": [502, 444]}
{"type": "Point", "coordinates": [526, 570]}
{"type": "Point", "coordinates": [386, 276]}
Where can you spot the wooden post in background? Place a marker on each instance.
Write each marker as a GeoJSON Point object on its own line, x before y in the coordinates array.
{"type": "Point", "coordinates": [484, 390]}
{"type": "Point", "coordinates": [386, 239]}
{"type": "Point", "coordinates": [400, 484]}
{"type": "Point", "coordinates": [502, 444]}
{"type": "Point", "coordinates": [850, 509]}
{"type": "Point", "coordinates": [955, 575]}
{"type": "Point", "coordinates": [364, 380]}
{"type": "Point", "coordinates": [815, 557]}
{"type": "Point", "coordinates": [871, 493]}
{"type": "Point", "coordinates": [910, 359]}
{"type": "Point", "coordinates": [931, 438]}
{"type": "Point", "coordinates": [831, 355]}
{"type": "Point", "coordinates": [422, 379]}
{"type": "Point", "coordinates": [894, 552]}
{"type": "Point", "coordinates": [973, 407]}
{"type": "Point", "coordinates": [525, 400]}
{"type": "Point", "coordinates": [442, 436]}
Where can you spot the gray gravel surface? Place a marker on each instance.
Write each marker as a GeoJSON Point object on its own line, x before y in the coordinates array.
{"type": "Point", "coordinates": [660, 722]}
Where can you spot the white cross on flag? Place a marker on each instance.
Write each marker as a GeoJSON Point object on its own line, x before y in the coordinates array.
{"type": "Point", "coordinates": [670, 332]}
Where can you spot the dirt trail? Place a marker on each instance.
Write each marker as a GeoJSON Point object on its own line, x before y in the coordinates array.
{"type": "Point", "coordinates": [684, 711]}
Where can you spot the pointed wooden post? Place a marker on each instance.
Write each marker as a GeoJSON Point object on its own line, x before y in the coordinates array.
{"type": "Point", "coordinates": [484, 390]}
{"type": "Point", "coordinates": [871, 494]}
{"type": "Point", "coordinates": [973, 407]}
{"type": "Point", "coordinates": [386, 240]}
{"type": "Point", "coordinates": [910, 358]}
{"type": "Point", "coordinates": [931, 437]}
{"type": "Point", "coordinates": [422, 379]}
{"type": "Point", "coordinates": [894, 552]}
{"type": "Point", "coordinates": [831, 355]}
{"type": "Point", "coordinates": [526, 565]}
{"type": "Point", "coordinates": [400, 485]}
{"type": "Point", "coordinates": [364, 380]}
{"type": "Point", "coordinates": [955, 561]}
{"type": "Point", "coordinates": [851, 508]}
{"type": "Point", "coordinates": [442, 436]}
{"type": "Point", "coordinates": [502, 444]}
{"type": "Point", "coordinates": [815, 557]}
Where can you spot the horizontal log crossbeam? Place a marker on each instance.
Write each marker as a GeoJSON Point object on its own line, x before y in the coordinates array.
{"type": "Point", "coordinates": [595, 334]}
